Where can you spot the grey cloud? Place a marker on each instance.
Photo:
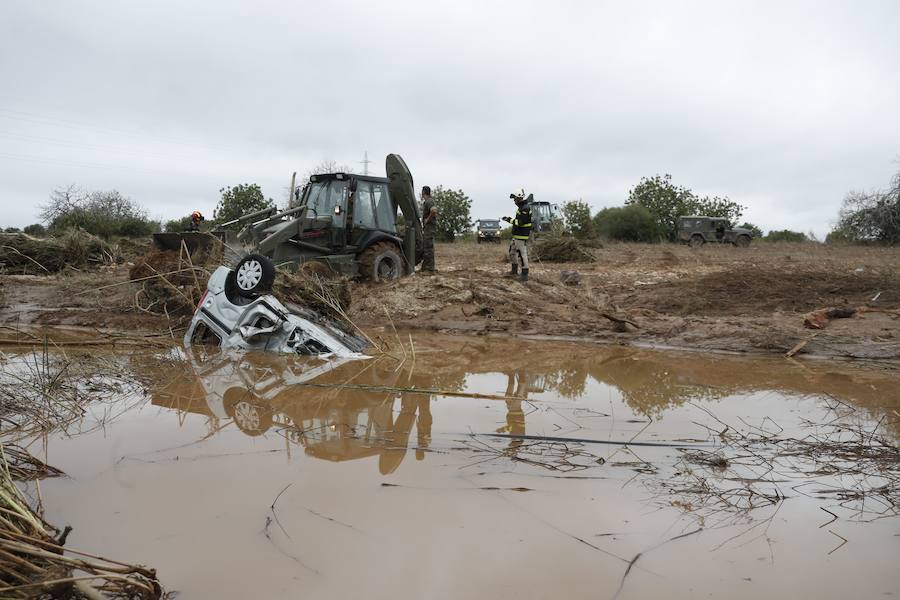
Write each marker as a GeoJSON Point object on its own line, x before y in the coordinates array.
{"type": "Point", "coordinates": [783, 107]}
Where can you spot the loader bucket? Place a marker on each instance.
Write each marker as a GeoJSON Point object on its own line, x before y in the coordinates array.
{"type": "Point", "coordinates": [191, 239]}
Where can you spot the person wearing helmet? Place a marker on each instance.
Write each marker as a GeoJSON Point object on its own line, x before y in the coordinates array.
{"type": "Point", "coordinates": [521, 232]}
{"type": "Point", "coordinates": [196, 218]}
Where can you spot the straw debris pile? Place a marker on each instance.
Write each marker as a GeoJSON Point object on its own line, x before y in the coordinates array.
{"type": "Point", "coordinates": [25, 255]}
{"type": "Point", "coordinates": [558, 248]}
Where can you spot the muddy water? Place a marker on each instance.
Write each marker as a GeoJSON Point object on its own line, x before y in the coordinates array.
{"type": "Point", "coordinates": [483, 469]}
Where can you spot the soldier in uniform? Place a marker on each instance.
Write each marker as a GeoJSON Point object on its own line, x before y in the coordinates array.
{"type": "Point", "coordinates": [429, 227]}
{"type": "Point", "coordinates": [521, 232]}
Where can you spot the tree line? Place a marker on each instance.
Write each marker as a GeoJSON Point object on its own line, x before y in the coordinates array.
{"type": "Point", "coordinates": [650, 214]}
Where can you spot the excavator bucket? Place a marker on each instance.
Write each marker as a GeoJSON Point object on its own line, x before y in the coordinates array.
{"type": "Point", "coordinates": [404, 193]}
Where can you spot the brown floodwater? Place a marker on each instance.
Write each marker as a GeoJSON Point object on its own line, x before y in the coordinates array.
{"type": "Point", "coordinates": [490, 468]}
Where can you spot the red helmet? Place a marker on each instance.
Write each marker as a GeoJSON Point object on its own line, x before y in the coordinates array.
{"type": "Point", "coordinates": [197, 215]}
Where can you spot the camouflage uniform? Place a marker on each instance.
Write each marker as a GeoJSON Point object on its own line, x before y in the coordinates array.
{"type": "Point", "coordinates": [429, 231]}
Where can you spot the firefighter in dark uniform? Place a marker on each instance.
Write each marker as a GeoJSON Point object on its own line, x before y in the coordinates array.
{"type": "Point", "coordinates": [196, 219]}
{"type": "Point", "coordinates": [429, 231]}
{"type": "Point", "coordinates": [521, 232]}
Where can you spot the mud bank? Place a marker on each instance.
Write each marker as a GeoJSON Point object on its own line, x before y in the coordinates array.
{"type": "Point", "coordinates": [726, 299]}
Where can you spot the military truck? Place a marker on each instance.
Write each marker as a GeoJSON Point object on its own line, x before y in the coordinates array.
{"type": "Point", "coordinates": [698, 230]}
{"type": "Point", "coordinates": [487, 230]}
{"type": "Point", "coordinates": [342, 223]}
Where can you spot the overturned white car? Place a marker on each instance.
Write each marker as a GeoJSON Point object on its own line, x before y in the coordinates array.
{"type": "Point", "coordinates": [235, 313]}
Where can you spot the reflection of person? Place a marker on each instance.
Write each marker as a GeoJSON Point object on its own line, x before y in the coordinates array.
{"type": "Point", "coordinates": [516, 386]}
{"type": "Point", "coordinates": [429, 231]}
{"type": "Point", "coordinates": [521, 231]}
{"type": "Point", "coordinates": [397, 437]}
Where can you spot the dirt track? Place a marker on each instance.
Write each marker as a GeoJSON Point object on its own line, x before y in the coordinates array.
{"type": "Point", "coordinates": [724, 299]}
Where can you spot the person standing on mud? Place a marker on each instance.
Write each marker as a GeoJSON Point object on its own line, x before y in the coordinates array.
{"type": "Point", "coordinates": [521, 232]}
{"type": "Point", "coordinates": [429, 230]}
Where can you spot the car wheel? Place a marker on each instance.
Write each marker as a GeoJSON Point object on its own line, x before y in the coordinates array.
{"type": "Point", "coordinates": [381, 262]}
{"type": "Point", "coordinates": [250, 415]}
{"type": "Point", "coordinates": [742, 241]}
{"type": "Point", "coordinates": [697, 241]}
{"type": "Point", "coordinates": [254, 275]}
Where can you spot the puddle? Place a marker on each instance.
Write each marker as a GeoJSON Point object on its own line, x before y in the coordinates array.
{"type": "Point", "coordinates": [494, 468]}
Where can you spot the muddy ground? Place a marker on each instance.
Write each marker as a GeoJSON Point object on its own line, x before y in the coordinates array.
{"type": "Point", "coordinates": [715, 299]}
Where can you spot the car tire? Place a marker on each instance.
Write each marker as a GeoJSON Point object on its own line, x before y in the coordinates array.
{"type": "Point", "coordinates": [250, 415]}
{"type": "Point", "coordinates": [254, 275]}
{"type": "Point", "coordinates": [381, 262]}
{"type": "Point", "coordinates": [696, 241]}
{"type": "Point", "coordinates": [742, 241]}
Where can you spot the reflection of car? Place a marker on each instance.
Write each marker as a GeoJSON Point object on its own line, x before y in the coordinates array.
{"type": "Point", "coordinates": [232, 315]}
{"type": "Point", "coordinates": [261, 390]}
{"type": "Point", "coordinates": [488, 230]}
{"type": "Point", "coordinates": [697, 231]}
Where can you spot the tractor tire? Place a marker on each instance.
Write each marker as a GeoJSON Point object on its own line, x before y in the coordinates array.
{"type": "Point", "coordinates": [381, 262]}
{"type": "Point", "coordinates": [742, 241]}
{"type": "Point", "coordinates": [696, 241]}
{"type": "Point", "coordinates": [253, 275]}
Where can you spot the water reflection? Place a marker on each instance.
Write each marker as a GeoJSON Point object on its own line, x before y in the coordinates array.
{"type": "Point", "coordinates": [345, 410]}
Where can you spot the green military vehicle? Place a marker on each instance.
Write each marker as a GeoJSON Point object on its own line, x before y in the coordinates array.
{"type": "Point", "coordinates": [698, 230]}
{"type": "Point", "coordinates": [341, 223]}
{"type": "Point", "coordinates": [544, 215]}
{"type": "Point", "coordinates": [487, 230]}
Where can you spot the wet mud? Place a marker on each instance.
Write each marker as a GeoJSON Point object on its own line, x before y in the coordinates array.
{"type": "Point", "coordinates": [479, 467]}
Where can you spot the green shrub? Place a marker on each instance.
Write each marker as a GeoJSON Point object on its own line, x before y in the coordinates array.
{"type": "Point", "coordinates": [631, 223]}
{"type": "Point", "coordinates": [785, 235]}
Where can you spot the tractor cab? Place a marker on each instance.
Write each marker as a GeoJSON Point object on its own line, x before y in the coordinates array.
{"type": "Point", "coordinates": [344, 211]}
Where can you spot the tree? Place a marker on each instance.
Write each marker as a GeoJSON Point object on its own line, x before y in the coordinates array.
{"type": "Point", "coordinates": [668, 202]}
{"type": "Point", "coordinates": [871, 216]}
{"type": "Point", "coordinates": [785, 235]}
{"type": "Point", "coordinates": [453, 212]}
{"type": "Point", "coordinates": [35, 230]}
{"type": "Point", "coordinates": [754, 230]}
{"type": "Point", "coordinates": [328, 165]}
{"type": "Point", "coordinates": [240, 200]}
{"type": "Point", "coordinates": [578, 218]}
{"type": "Point", "coordinates": [632, 223]}
{"type": "Point", "coordinates": [719, 207]}
{"type": "Point", "coordinates": [102, 213]}
{"type": "Point", "coordinates": [12, 230]}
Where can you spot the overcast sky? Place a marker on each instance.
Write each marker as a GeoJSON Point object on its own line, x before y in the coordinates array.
{"type": "Point", "coordinates": [782, 106]}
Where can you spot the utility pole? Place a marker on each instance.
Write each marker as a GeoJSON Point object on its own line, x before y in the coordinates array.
{"type": "Point", "coordinates": [365, 163]}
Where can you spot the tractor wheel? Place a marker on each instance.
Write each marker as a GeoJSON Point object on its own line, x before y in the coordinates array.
{"type": "Point", "coordinates": [381, 262]}
{"type": "Point", "coordinates": [697, 241]}
{"type": "Point", "coordinates": [742, 241]}
{"type": "Point", "coordinates": [254, 275]}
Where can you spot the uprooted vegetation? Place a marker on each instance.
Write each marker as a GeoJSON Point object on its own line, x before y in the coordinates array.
{"type": "Point", "coordinates": [558, 248]}
{"type": "Point", "coordinates": [41, 394]}
{"type": "Point", "coordinates": [172, 282]}
{"type": "Point", "coordinates": [26, 255]}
